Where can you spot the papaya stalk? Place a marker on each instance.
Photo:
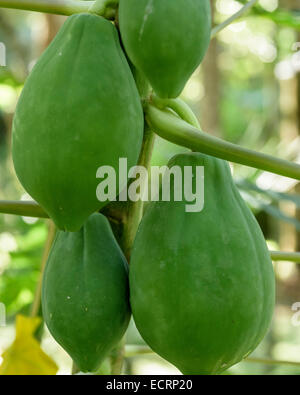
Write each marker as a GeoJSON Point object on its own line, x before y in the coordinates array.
{"type": "Point", "coordinates": [70, 7]}
{"type": "Point", "coordinates": [132, 214]}
{"type": "Point", "coordinates": [135, 209]}
{"type": "Point", "coordinates": [23, 208]}
{"type": "Point", "coordinates": [32, 209]}
{"type": "Point", "coordinates": [59, 7]}
{"type": "Point", "coordinates": [285, 256]}
{"type": "Point", "coordinates": [179, 107]}
{"type": "Point", "coordinates": [105, 8]}
{"type": "Point", "coordinates": [176, 130]}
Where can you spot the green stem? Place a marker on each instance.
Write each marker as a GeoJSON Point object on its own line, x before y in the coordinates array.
{"type": "Point", "coordinates": [105, 8]}
{"type": "Point", "coordinates": [177, 131]}
{"type": "Point", "coordinates": [135, 209]}
{"type": "Point", "coordinates": [60, 7]}
{"type": "Point", "coordinates": [23, 208]}
{"type": "Point", "coordinates": [285, 256]}
{"type": "Point", "coordinates": [179, 107]}
{"type": "Point", "coordinates": [133, 216]}
{"type": "Point", "coordinates": [233, 18]}
{"type": "Point", "coordinates": [32, 209]}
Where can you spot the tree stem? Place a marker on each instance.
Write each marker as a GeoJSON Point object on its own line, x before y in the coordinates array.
{"type": "Point", "coordinates": [23, 208]}
{"type": "Point", "coordinates": [285, 256]}
{"type": "Point", "coordinates": [135, 209]}
{"type": "Point", "coordinates": [182, 109]}
{"type": "Point", "coordinates": [59, 7]}
{"type": "Point", "coordinates": [99, 6]}
{"type": "Point", "coordinates": [175, 130]}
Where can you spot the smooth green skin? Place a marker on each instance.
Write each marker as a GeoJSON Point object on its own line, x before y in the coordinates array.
{"type": "Point", "coordinates": [85, 295]}
{"type": "Point", "coordinates": [79, 110]}
{"type": "Point", "coordinates": [202, 284]}
{"type": "Point", "coordinates": [166, 40]}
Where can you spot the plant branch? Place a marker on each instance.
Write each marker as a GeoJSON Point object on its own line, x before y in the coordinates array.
{"type": "Point", "coordinates": [32, 209]}
{"type": "Point", "coordinates": [99, 6]}
{"type": "Point", "coordinates": [23, 208]}
{"type": "Point", "coordinates": [175, 130]}
{"type": "Point", "coordinates": [233, 18]}
{"type": "Point", "coordinates": [59, 7]}
{"type": "Point", "coordinates": [285, 256]}
{"type": "Point", "coordinates": [179, 107]}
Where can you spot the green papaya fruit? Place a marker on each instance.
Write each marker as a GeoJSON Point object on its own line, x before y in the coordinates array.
{"type": "Point", "coordinates": [85, 295]}
{"type": "Point", "coordinates": [202, 283]}
{"type": "Point", "coordinates": [79, 110]}
{"type": "Point", "coordinates": [166, 40]}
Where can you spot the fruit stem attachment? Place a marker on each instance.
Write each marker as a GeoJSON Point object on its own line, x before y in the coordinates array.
{"type": "Point", "coordinates": [176, 130]}
{"type": "Point", "coordinates": [59, 7]}
{"type": "Point", "coordinates": [105, 8]}
{"type": "Point", "coordinates": [179, 107]}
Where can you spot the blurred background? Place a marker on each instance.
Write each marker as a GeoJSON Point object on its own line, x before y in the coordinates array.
{"type": "Point", "coordinates": [247, 91]}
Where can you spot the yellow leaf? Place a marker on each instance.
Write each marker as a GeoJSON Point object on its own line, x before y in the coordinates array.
{"type": "Point", "coordinates": [25, 356]}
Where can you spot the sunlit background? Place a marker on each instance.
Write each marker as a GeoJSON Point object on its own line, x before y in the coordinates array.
{"type": "Point", "coordinates": [247, 91]}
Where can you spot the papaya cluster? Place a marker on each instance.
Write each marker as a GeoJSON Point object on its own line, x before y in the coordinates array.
{"type": "Point", "coordinates": [195, 279]}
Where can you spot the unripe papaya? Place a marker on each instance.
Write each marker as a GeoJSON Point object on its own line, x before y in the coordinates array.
{"type": "Point", "coordinates": [166, 40]}
{"type": "Point", "coordinates": [85, 296]}
{"type": "Point", "coordinates": [202, 283]}
{"type": "Point", "coordinates": [79, 110]}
